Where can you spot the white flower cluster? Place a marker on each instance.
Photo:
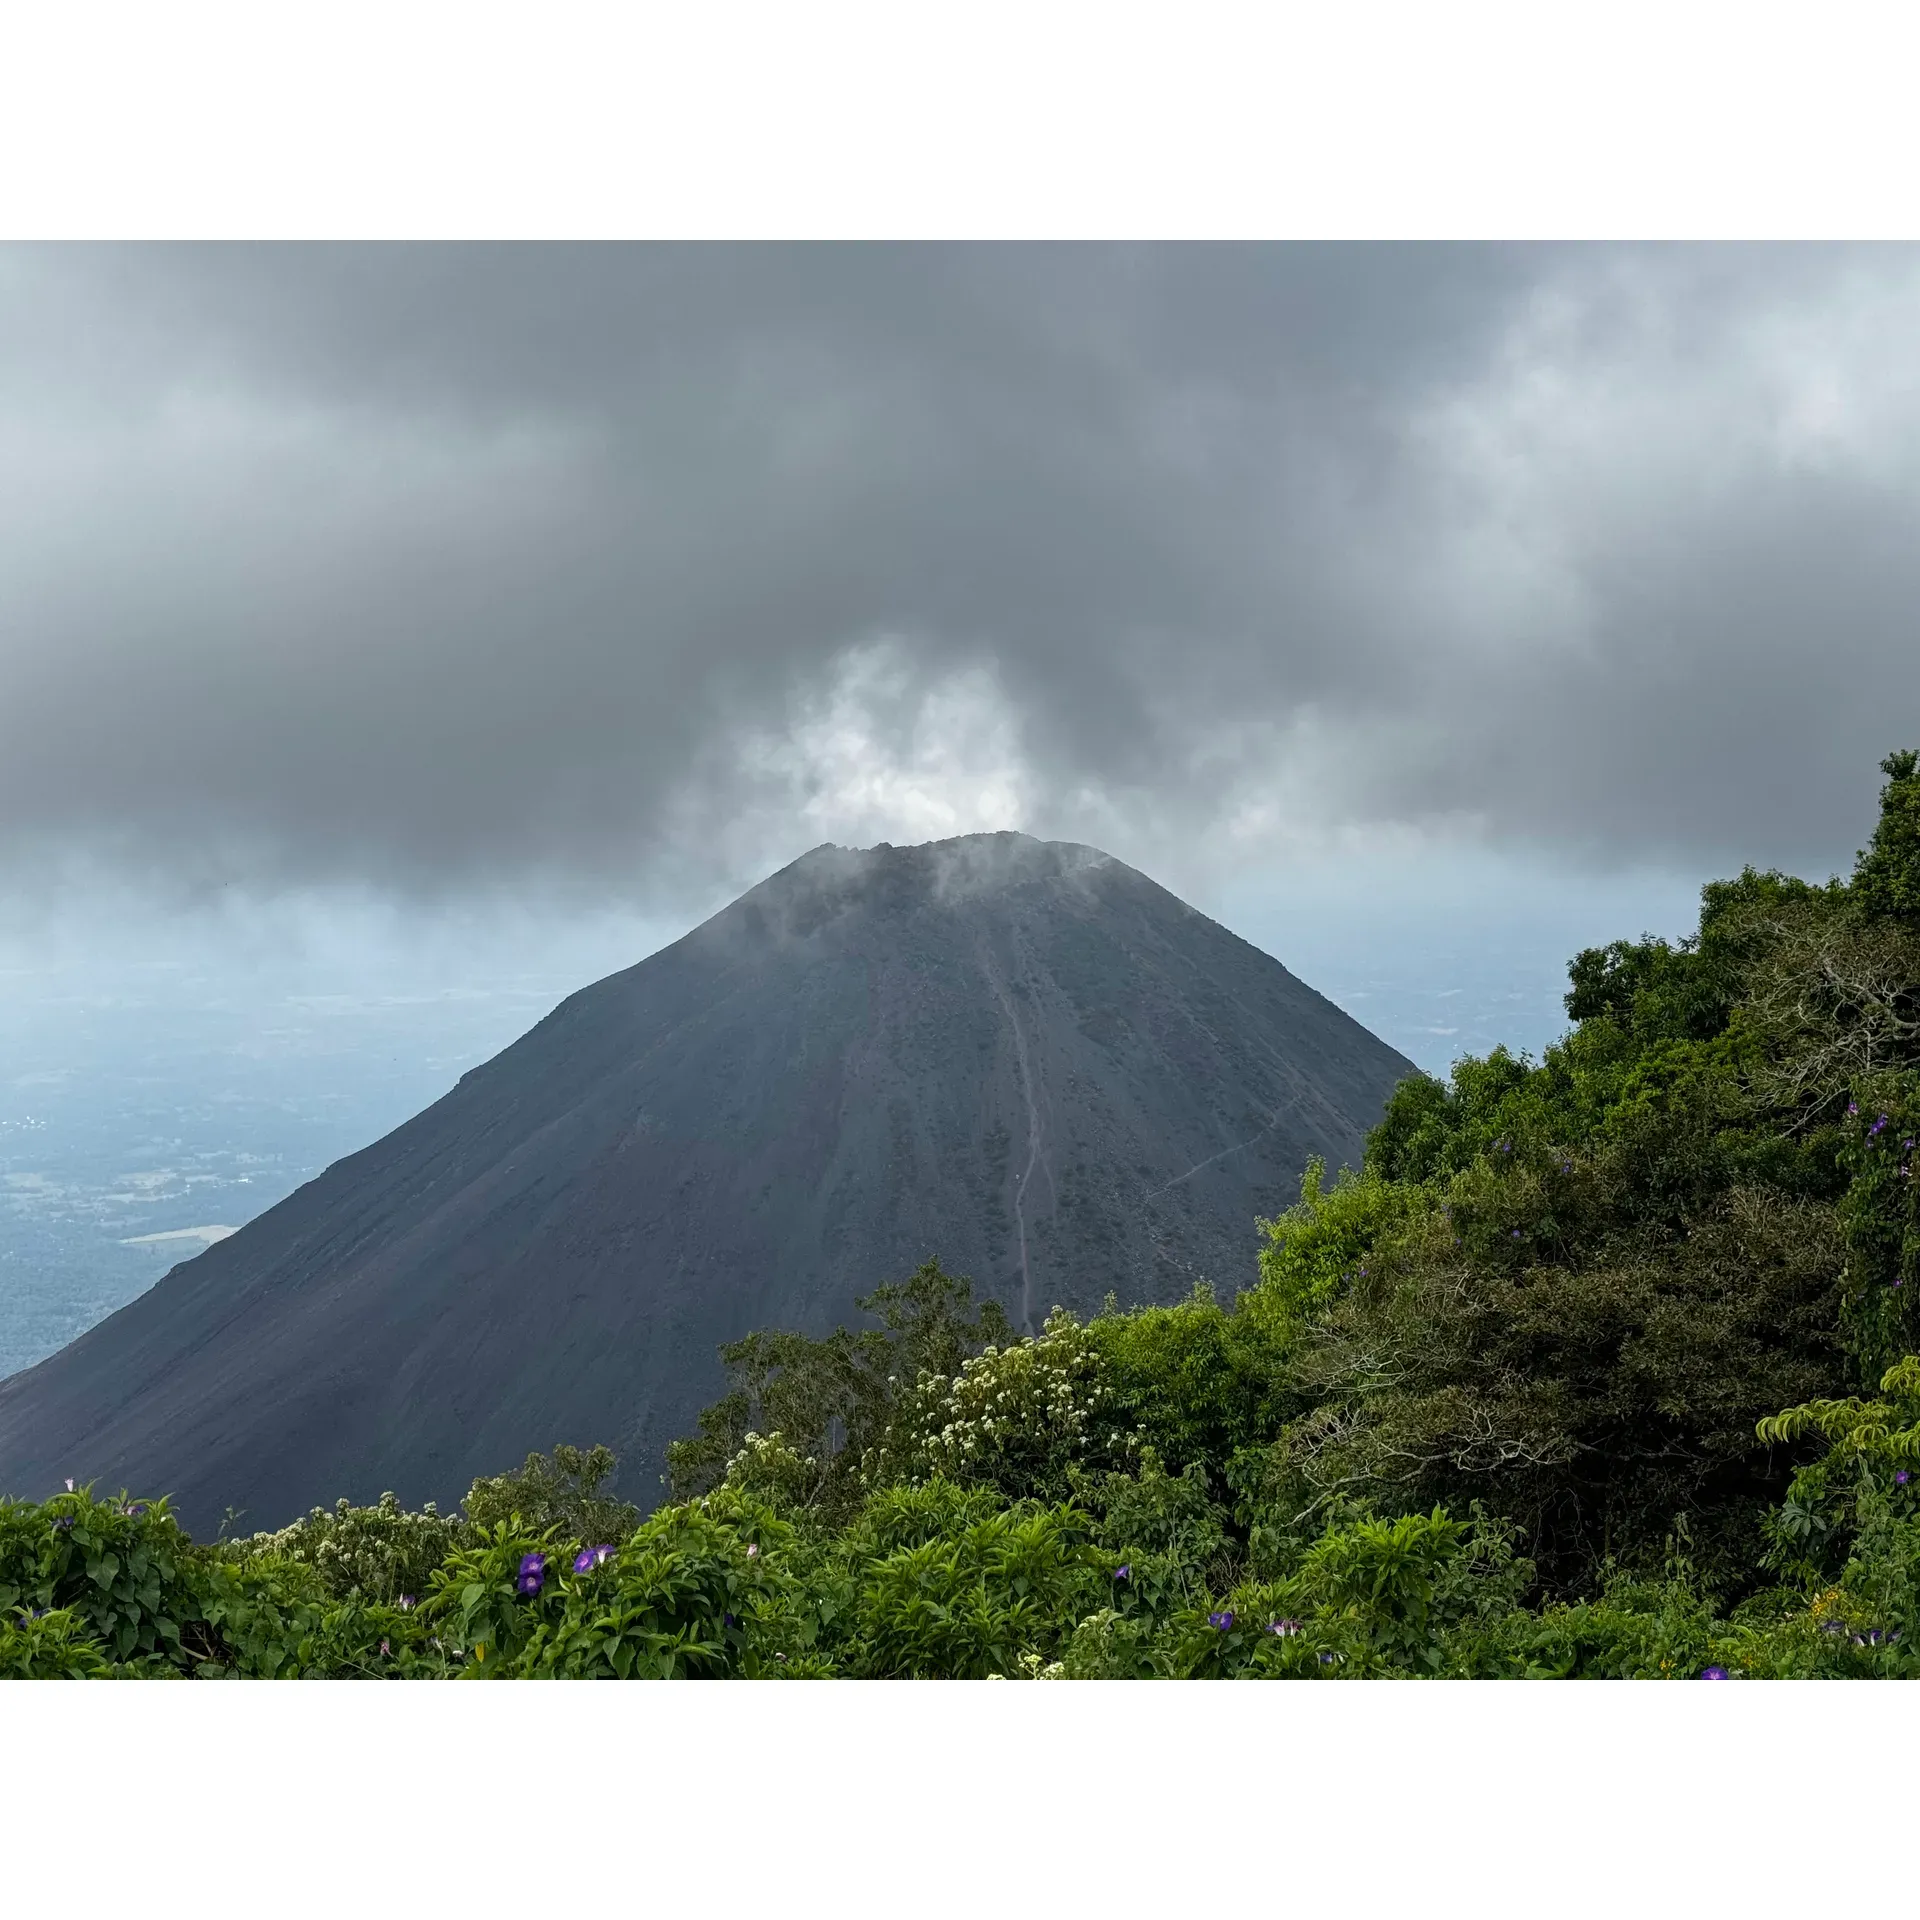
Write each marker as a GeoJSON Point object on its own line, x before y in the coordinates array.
{"type": "Point", "coordinates": [1017, 1416]}
{"type": "Point", "coordinates": [768, 1465]}
{"type": "Point", "coordinates": [377, 1552]}
{"type": "Point", "coordinates": [1034, 1666]}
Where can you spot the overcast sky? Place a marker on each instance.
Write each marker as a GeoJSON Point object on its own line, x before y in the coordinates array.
{"type": "Point", "coordinates": [650, 567]}
{"type": "Point", "coordinates": [458, 617]}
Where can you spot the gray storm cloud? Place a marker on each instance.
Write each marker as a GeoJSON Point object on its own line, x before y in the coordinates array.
{"type": "Point", "coordinates": [642, 566]}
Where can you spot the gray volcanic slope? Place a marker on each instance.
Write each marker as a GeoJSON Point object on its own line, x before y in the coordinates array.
{"type": "Point", "coordinates": [1021, 1056]}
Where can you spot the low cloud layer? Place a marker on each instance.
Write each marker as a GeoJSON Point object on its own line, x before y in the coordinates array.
{"type": "Point", "coordinates": [638, 570]}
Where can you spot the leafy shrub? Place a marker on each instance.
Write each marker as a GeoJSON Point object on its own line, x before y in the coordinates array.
{"type": "Point", "coordinates": [122, 1568]}
{"type": "Point", "coordinates": [1320, 1248]}
{"type": "Point", "coordinates": [1194, 1381]}
{"type": "Point", "coordinates": [679, 1600]}
{"type": "Point", "coordinates": [559, 1495]}
{"type": "Point", "coordinates": [43, 1644]}
{"type": "Point", "coordinates": [1871, 1457]}
{"type": "Point", "coordinates": [974, 1603]}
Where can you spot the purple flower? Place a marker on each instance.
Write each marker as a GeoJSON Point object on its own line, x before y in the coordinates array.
{"type": "Point", "coordinates": [1220, 1621]}
{"type": "Point", "coordinates": [752, 1551]}
{"type": "Point", "coordinates": [729, 1620]}
{"type": "Point", "coordinates": [1327, 1659]}
{"type": "Point", "coordinates": [1851, 1109]}
{"type": "Point", "coordinates": [1870, 1638]}
{"type": "Point", "coordinates": [1833, 1626]}
{"type": "Point", "coordinates": [135, 1510]}
{"type": "Point", "coordinates": [1284, 1628]}
{"type": "Point", "coordinates": [1901, 1478]}
{"type": "Point", "coordinates": [64, 1522]}
{"type": "Point", "coordinates": [1713, 1673]}
{"type": "Point", "coordinates": [533, 1573]}
{"type": "Point", "coordinates": [406, 1603]}
{"type": "Point", "coordinates": [1123, 1573]}
{"type": "Point", "coordinates": [590, 1557]}
{"type": "Point", "coordinates": [1516, 1233]}
{"type": "Point", "coordinates": [384, 1648]}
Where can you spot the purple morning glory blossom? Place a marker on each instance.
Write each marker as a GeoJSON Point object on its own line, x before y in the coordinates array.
{"type": "Point", "coordinates": [1833, 1626]}
{"type": "Point", "coordinates": [1220, 1621]}
{"type": "Point", "coordinates": [533, 1573]}
{"type": "Point", "coordinates": [1901, 1478]}
{"type": "Point", "coordinates": [589, 1557]}
{"type": "Point", "coordinates": [135, 1510]}
{"type": "Point", "coordinates": [1125, 1573]}
{"type": "Point", "coordinates": [1713, 1673]}
{"type": "Point", "coordinates": [1284, 1628]}
{"type": "Point", "coordinates": [406, 1603]}
{"type": "Point", "coordinates": [64, 1522]}
{"type": "Point", "coordinates": [729, 1620]}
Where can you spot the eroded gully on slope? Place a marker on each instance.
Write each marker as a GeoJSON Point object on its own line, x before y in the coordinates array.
{"type": "Point", "coordinates": [1035, 1158]}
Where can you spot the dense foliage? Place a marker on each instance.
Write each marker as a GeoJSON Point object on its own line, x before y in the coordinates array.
{"type": "Point", "coordinates": [1600, 1365]}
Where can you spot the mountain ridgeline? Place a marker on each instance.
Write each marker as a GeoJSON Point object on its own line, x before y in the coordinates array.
{"type": "Point", "coordinates": [1021, 1057]}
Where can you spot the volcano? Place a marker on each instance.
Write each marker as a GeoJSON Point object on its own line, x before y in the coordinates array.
{"type": "Point", "coordinates": [1022, 1057]}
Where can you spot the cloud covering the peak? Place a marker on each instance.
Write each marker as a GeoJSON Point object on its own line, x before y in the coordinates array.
{"type": "Point", "coordinates": [640, 570]}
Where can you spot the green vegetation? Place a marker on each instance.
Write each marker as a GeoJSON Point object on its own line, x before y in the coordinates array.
{"type": "Point", "coordinates": [1601, 1365]}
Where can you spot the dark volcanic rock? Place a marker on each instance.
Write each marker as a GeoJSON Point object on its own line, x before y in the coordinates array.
{"type": "Point", "coordinates": [1023, 1057]}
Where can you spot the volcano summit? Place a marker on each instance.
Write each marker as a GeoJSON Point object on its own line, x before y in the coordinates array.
{"type": "Point", "coordinates": [1021, 1056]}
